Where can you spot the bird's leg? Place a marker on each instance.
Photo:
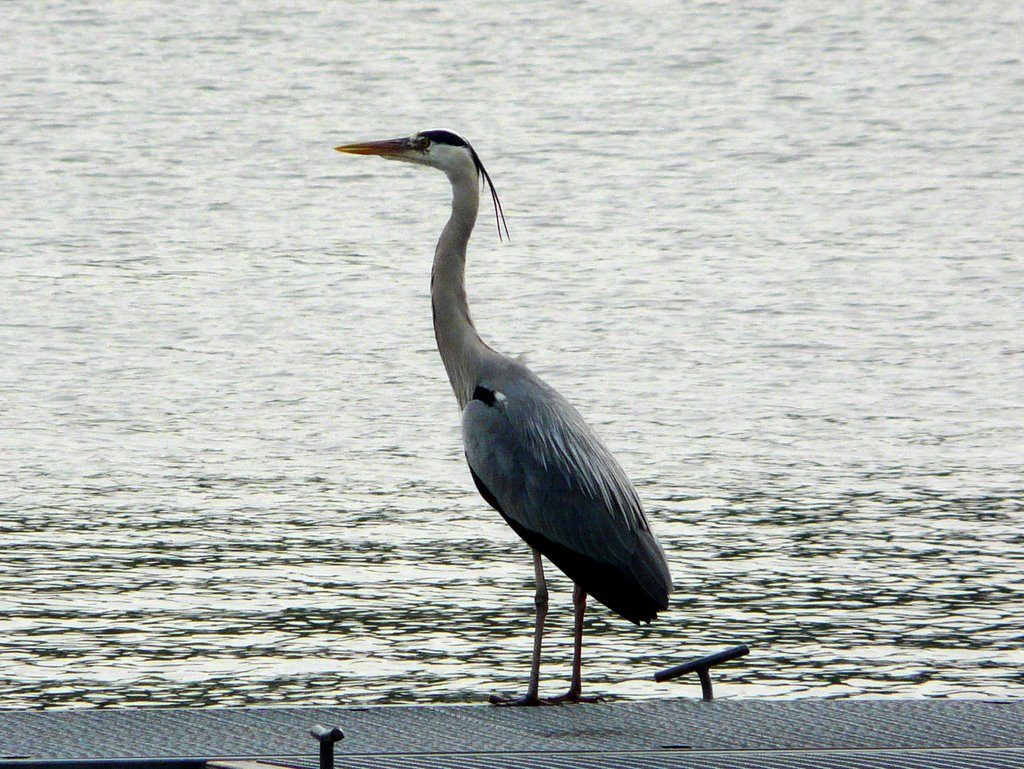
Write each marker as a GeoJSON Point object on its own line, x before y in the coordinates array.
{"type": "Point", "coordinates": [540, 600]}
{"type": "Point", "coordinates": [579, 603]}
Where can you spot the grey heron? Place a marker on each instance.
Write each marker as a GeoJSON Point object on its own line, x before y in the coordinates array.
{"type": "Point", "coordinates": [530, 453]}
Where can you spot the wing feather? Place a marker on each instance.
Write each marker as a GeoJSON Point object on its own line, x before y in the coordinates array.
{"type": "Point", "coordinates": [558, 485]}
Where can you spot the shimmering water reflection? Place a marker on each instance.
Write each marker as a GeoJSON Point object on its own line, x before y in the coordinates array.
{"type": "Point", "coordinates": [773, 252]}
{"type": "Point", "coordinates": [872, 595]}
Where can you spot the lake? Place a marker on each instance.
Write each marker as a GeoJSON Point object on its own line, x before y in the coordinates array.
{"type": "Point", "coordinates": [772, 253]}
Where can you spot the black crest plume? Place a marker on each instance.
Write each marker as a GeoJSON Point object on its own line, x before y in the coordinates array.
{"type": "Point", "coordinates": [447, 137]}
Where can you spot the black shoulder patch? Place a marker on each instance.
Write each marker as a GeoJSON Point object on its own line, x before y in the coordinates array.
{"type": "Point", "coordinates": [445, 137]}
{"type": "Point", "coordinates": [485, 395]}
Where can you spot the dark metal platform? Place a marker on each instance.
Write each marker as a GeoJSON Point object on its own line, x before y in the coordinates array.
{"type": "Point", "coordinates": [739, 734]}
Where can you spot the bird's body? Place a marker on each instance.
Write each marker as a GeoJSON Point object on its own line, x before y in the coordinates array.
{"type": "Point", "coordinates": [531, 455]}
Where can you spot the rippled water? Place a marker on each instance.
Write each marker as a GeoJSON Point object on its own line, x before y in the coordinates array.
{"type": "Point", "coordinates": [773, 255]}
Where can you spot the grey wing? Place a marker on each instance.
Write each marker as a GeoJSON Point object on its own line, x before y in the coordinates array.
{"type": "Point", "coordinates": [545, 470]}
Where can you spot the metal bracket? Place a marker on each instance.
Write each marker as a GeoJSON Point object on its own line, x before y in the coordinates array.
{"type": "Point", "coordinates": [703, 665]}
{"type": "Point", "coordinates": [327, 736]}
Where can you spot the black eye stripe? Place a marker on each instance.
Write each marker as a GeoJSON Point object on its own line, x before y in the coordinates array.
{"type": "Point", "coordinates": [445, 137]}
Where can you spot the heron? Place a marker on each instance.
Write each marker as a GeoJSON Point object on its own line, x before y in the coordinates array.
{"type": "Point", "coordinates": [531, 455]}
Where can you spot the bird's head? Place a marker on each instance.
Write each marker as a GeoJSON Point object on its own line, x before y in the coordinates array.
{"type": "Point", "coordinates": [439, 149]}
{"type": "Point", "coordinates": [443, 150]}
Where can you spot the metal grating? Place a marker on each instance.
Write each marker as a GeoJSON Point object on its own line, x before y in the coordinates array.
{"type": "Point", "coordinates": [804, 759]}
{"type": "Point", "coordinates": [655, 733]}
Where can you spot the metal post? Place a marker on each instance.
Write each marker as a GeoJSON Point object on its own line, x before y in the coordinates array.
{"type": "Point", "coordinates": [705, 684]}
{"type": "Point", "coordinates": [327, 737]}
{"type": "Point", "coordinates": [702, 667]}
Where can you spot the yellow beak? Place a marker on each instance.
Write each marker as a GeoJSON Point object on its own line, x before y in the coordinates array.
{"type": "Point", "coordinates": [388, 148]}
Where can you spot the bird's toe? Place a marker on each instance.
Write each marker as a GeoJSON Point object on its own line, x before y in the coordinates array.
{"type": "Point", "coordinates": [525, 700]}
{"type": "Point", "coordinates": [574, 698]}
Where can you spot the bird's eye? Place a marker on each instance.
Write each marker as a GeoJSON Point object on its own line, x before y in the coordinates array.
{"type": "Point", "coordinates": [421, 143]}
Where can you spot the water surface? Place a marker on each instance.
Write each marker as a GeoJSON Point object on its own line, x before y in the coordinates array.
{"type": "Point", "coordinates": [774, 256]}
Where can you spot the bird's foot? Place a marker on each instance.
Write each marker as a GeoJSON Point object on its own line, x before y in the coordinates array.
{"type": "Point", "coordinates": [508, 702]}
{"type": "Point", "coordinates": [573, 697]}
{"type": "Point", "coordinates": [534, 700]}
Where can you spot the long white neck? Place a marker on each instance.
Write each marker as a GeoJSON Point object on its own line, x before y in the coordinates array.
{"type": "Point", "coordinates": [457, 340]}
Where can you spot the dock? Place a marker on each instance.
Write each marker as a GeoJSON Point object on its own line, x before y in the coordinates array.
{"type": "Point", "coordinates": [645, 734]}
{"type": "Point", "coordinates": [648, 734]}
